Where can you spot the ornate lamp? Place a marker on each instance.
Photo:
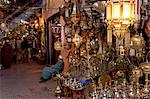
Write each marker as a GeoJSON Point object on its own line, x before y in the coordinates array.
{"type": "Point", "coordinates": [77, 40]}
{"type": "Point", "coordinates": [120, 14]}
{"type": "Point", "coordinates": [75, 17]}
{"type": "Point", "coordinates": [3, 25]}
{"type": "Point", "coordinates": [57, 45]}
{"type": "Point", "coordinates": [137, 41]}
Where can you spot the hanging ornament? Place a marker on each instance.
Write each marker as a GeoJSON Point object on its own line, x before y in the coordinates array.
{"type": "Point", "coordinates": [77, 40]}
{"type": "Point", "coordinates": [84, 21]}
{"type": "Point", "coordinates": [3, 25]}
{"type": "Point", "coordinates": [121, 51]}
{"type": "Point", "coordinates": [137, 41]}
{"type": "Point", "coordinates": [83, 51]}
{"type": "Point", "coordinates": [58, 45]}
{"type": "Point", "coordinates": [75, 17]}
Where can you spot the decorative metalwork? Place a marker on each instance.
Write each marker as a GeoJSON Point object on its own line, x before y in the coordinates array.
{"type": "Point", "coordinates": [75, 13]}
{"type": "Point", "coordinates": [77, 40]}
{"type": "Point", "coordinates": [137, 41]}
{"type": "Point", "coordinates": [58, 45]}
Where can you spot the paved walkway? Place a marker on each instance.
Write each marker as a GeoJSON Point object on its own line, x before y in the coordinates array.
{"type": "Point", "coordinates": [21, 81]}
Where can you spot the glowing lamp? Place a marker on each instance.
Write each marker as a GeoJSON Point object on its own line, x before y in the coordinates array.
{"type": "Point", "coordinates": [77, 40]}
{"type": "Point", "coordinates": [120, 14]}
{"type": "Point", "coordinates": [57, 45]}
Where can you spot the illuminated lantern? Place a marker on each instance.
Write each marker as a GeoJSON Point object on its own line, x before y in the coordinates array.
{"type": "Point", "coordinates": [77, 40]}
{"type": "Point", "coordinates": [120, 14]}
{"type": "Point", "coordinates": [58, 45]}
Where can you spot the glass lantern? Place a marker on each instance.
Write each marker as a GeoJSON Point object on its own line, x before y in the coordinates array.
{"type": "Point", "coordinates": [120, 14]}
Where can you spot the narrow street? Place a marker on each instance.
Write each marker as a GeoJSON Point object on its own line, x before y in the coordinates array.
{"type": "Point", "coordinates": [21, 81]}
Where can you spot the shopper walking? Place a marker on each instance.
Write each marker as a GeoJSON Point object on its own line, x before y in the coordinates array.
{"type": "Point", "coordinates": [24, 46]}
{"type": "Point", "coordinates": [18, 50]}
{"type": "Point", "coordinates": [6, 54]}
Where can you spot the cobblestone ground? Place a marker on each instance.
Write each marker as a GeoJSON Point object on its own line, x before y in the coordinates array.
{"type": "Point", "coordinates": [21, 81]}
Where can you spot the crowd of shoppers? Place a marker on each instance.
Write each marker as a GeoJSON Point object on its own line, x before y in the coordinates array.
{"type": "Point", "coordinates": [21, 46]}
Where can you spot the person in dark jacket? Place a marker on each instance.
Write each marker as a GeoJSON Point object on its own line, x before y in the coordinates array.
{"type": "Point", "coordinates": [6, 54]}
{"type": "Point", "coordinates": [24, 47]}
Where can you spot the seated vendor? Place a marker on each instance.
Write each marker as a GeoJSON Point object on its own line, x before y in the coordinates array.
{"type": "Point", "coordinates": [49, 71]}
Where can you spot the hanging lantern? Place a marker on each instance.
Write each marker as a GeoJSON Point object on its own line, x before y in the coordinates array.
{"type": "Point", "coordinates": [121, 51]}
{"type": "Point", "coordinates": [120, 14]}
{"type": "Point", "coordinates": [3, 25]}
{"type": "Point", "coordinates": [84, 21]}
{"type": "Point", "coordinates": [58, 45]}
{"type": "Point", "coordinates": [77, 40]}
{"type": "Point", "coordinates": [137, 42]}
{"type": "Point", "coordinates": [75, 17]}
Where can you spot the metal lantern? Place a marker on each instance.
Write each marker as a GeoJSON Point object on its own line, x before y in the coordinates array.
{"type": "Point", "coordinates": [120, 14]}
{"type": "Point", "coordinates": [137, 42]}
{"type": "Point", "coordinates": [58, 45]}
{"type": "Point", "coordinates": [3, 25]}
{"type": "Point", "coordinates": [75, 17]}
{"type": "Point", "coordinates": [121, 50]}
{"type": "Point", "coordinates": [77, 40]}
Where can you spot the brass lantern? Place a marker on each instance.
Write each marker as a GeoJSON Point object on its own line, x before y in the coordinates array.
{"type": "Point", "coordinates": [137, 42]}
{"type": "Point", "coordinates": [77, 40]}
{"type": "Point", "coordinates": [120, 14]}
{"type": "Point", "coordinates": [57, 45]}
{"type": "Point", "coordinates": [75, 13]}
